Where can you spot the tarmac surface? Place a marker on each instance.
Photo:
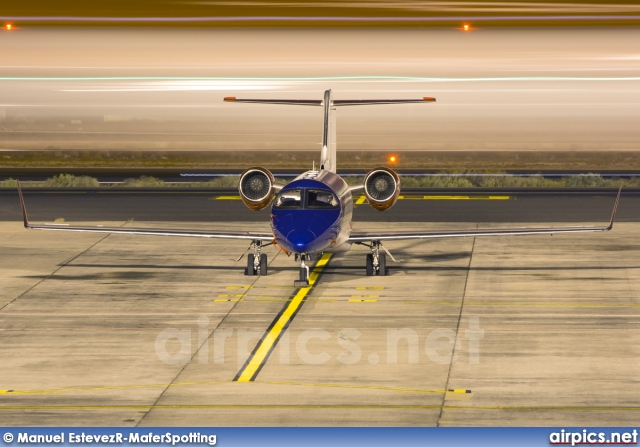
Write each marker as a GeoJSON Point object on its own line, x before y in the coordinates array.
{"type": "Point", "coordinates": [151, 331]}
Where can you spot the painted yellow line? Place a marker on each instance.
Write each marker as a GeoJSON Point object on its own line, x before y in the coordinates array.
{"type": "Point", "coordinates": [363, 199]}
{"type": "Point", "coordinates": [368, 387]}
{"type": "Point", "coordinates": [269, 340]}
{"type": "Point", "coordinates": [182, 384]}
{"type": "Point", "coordinates": [517, 303]}
{"type": "Point", "coordinates": [318, 406]}
{"type": "Point", "coordinates": [239, 287]}
{"type": "Point", "coordinates": [320, 300]}
{"type": "Point", "coordinates": [370, 288]}
{"type": "Point", "coordinates": [461, 198]}
{"type": "Point", "coordinates": [434, 303]}
{"type": "Point", "coordinates": [230, 298]}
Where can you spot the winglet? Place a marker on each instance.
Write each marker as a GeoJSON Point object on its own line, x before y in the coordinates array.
{"type": "Point", "coordinates": [615, 207]}
{"type": "Point", "coordinates": [24, 208]}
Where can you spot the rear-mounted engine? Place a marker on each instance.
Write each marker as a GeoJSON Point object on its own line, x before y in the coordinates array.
{"type": "Point", "coordinates": [256, 188]}
{"type": "Point", "coordinates": [382, 187]}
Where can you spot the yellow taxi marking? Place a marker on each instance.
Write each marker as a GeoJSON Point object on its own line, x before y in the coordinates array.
{"type": "Point", "coordinates": [239, 287]}
{"type": "Point", "coordinates": [178, 384]}
{"type": "Point", "coordinates": [456, 198]}
{"type": "Point", "coordinates": [516, 303]}
{"type": "Point", "coordinates": [281, 300]}
{"type": "Point", "coordinates": [354, 299]}
{"type": "Point", "coordinates": [370, 288]}
{"type": "Point", "coordinates": [363, 199]}
{"type": "Point", "coordinates": [367, 387]}
{"type": "Point", "coordinates": [323, 406]}
{"type": "Point", "coordinates": [232, 297]}
{"type": "Point", "coordinates": [269, 340]}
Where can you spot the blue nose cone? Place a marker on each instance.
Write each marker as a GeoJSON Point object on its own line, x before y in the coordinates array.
{"type": "Point", "coordinates": [301, 239]}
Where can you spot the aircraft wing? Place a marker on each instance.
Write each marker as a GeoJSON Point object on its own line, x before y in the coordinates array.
{"type": "Point", "coordinates": [253, 236]}
{"type": "Point", "coordinates": [403, 235]}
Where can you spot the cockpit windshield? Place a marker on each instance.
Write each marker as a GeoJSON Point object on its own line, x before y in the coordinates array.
{"type": "Point", "coordinates": [319, 198]}
{"type": "Point", "coordinates": [290, 198]}
{"type": "Point", "coordinates": [306, 198]}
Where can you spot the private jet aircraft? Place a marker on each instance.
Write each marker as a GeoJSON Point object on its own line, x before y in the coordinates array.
{"type": "Point", "coordinates": [312, 214]}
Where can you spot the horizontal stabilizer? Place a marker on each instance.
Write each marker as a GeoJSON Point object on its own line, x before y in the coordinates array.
{"type": "Point", "coordinates": [366, 102]}
{"type": "Point", "coordinates": [335, 102]}
{"type": "Point", "coordinates": [293, 102]}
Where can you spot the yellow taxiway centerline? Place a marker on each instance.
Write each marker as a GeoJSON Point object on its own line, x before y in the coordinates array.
{"type": "Point", "coordinates": [362, 199]}
{"type": "Point", "coordinates": [269, 340]}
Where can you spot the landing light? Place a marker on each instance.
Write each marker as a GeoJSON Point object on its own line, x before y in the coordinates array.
{"type": "Point", "coordinates": [8, 27]}
{"type": "Point", "coordinates": [466, 27]}
{"type": "Point", "coordinates": [393, 159]}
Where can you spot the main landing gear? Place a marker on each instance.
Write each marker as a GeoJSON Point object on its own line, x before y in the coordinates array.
{"type": "Point", "coordinates": [376, 261]}
{"type": "Point", "coordinates": [304, 272]}
{"type": "Point", "coordinates": [256, 261]}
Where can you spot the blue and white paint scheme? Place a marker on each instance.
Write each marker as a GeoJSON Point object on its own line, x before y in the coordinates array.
{"type": "Point", "coordinates": [312, 214]}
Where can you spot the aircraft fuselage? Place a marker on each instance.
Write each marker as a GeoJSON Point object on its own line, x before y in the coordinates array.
{"type": "Point", "coordinates": [312, 214]}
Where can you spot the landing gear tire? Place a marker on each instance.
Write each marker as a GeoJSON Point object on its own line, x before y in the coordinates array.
{"type": "Point", "coordinates": [250, 271]}
{"type": "Point", "coordinates": [263, 265]}
{"type": "Point", "coordinates": [382, 265]}
{"type": "Point", "coordinates": [304, 281]}
{"type": "Point", "coordinates": [369, 264]}
{"type": "Point", "coordinates": [304, 273]}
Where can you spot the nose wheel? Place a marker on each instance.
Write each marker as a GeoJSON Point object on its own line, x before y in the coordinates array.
{"type": "Point", "coordinates": [304, 273]}
{"type": "Point", "coordinates": [256, 261]}
{"type": "Point", "coordinates": [376, 262]}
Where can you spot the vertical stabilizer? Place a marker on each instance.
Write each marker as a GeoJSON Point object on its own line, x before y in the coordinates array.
{"type": "Point", "coordinates": [328, 155]}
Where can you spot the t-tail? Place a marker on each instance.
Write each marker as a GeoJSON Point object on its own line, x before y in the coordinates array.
{"type": "Point", "coordinates": [328, 154]}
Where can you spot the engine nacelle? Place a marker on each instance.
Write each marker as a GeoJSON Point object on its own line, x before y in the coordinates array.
{"type": "Point", "coordinates": [256, 188]}
{"type": "Point", "coordinates": [382, 188]}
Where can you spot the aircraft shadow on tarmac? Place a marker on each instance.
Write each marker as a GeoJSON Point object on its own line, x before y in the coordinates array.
{"type": "Point", "coordinates": [338, 272]}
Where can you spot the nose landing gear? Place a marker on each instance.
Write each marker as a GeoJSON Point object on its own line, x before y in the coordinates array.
{"type": "Point", "coordinates": [304, 273]}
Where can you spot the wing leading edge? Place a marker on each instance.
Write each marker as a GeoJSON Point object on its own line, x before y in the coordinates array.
{"type": "Point", "coordinates": [403, 235]}
{"type": "Point", "coordinates": [144, 231]}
